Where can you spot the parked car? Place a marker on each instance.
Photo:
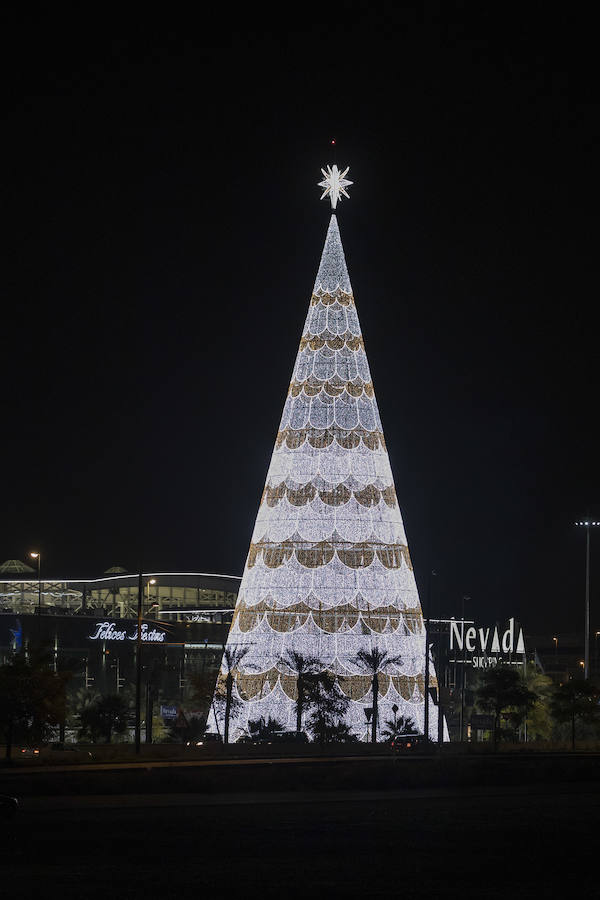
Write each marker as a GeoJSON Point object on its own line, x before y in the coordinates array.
{"type": "Point", "coordinates": [29, 752]}
{"type": "Point", "coordinates": [290, 737]}
{"type": "Point", "coordinates": [407, 742]}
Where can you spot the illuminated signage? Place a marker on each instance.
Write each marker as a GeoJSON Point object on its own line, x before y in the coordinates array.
{"type": "Point", "coordinates": [109, 631]}
{"type": "Point", "coordinates": [485, 645]}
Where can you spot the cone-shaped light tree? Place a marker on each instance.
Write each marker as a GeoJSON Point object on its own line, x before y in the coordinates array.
{"type": "Point", "coordinates": [328, 575]}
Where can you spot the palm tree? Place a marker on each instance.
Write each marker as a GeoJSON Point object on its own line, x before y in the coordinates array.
{"type": "Point", "coordinates": [329, 706]}
{"type": "Point", "coordinates": [399, 726]}
{"type": "Point", "coordinates": [258, 728]}
{"type": "Point", "coordinates": [232, 657]}
{"type": "Point", "coordinates": [303, 666]}
{"type": "Point", "coordinates": [373, 661]}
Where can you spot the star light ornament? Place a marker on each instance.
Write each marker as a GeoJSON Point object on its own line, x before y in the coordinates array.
{"type": "Point", "coordinates": [334, 184]}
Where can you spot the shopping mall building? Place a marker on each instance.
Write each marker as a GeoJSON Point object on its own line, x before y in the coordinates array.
{"type": "Point", "coordinates": [90, 626]}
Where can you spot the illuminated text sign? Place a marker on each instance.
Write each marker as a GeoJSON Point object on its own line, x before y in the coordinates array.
{"type": "Point", "coordinates": [485, 645]}
{"type": "Point", "coordinates": [109, 631]}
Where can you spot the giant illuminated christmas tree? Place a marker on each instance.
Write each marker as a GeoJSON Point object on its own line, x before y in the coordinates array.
{"type": "Point", "coordinates": [328, 583]}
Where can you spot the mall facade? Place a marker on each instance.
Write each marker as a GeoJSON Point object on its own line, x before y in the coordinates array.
{"type": "Point", "coordinates": [89, 626]}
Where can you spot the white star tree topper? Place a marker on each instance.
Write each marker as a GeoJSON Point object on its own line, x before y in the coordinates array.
{"type": "Point", "coordinates": [334, 184]}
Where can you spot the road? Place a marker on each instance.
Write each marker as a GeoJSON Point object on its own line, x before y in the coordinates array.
{"type": "Point", "coordinates": [491, 843]}
{"type": "Point", "coordinates": [23, 769]}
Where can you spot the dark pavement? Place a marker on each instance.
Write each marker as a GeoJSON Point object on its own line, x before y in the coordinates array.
{"type": "Point", "coordinates": [496, 842]}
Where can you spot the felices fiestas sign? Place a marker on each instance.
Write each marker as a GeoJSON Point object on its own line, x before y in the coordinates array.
{"type": "Point", "coordinates": [108, 631]}
{"type": "Point", "coordinates": [485, 645]}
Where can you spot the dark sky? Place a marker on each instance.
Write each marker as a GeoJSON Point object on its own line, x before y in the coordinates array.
{"type": "Point", "coordinates": [164, 234]}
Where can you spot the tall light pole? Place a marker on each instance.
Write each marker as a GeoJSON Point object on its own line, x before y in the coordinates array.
{"type": "Point", "coordinates": [138, 660]}
{"type": "Point", "coordinates": [149, 677]}
{"type": "Point", "coordinates": [586, 663]}
{"type": "Point", "coordinates": [427, 625]}
{"type": "Point", "coordinates": [462, 670]}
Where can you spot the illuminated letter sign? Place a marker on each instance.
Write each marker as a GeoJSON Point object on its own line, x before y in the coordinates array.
{"type": "Point", "coordinates": [455, 635]}
{"type": "Point", "coordinates": [107, 631]}
{"type": "Point", "coordinates": [508, 638]}
{"type": "Point", "coordinates": [483, 638]}
{"type": "Point", "coordinates": [477, 639]}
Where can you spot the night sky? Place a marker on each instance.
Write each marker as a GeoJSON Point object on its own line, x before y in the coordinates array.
{"type": "Point", "coordinates": [164, 235]}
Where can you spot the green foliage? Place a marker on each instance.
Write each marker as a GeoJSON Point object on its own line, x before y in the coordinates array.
{"type": "Point", "coordinates": [539, 715]}
{"type": "Point", "coordinates": [328, 705]}
{"type": "Point", "coordinates": [103, 717]}
{"type": "Point", "coordinates": [374, 661]}
{"type": "Point", "coordinates": [258, 728]}
{"type": "Point", "coordinates": [203, 688]}
{"type": "Point", "coordinates": [232, 658]}
{"type": "Point", "coordinates": [340, 733]}
{"type": "Point", "coordinates": [399, 726]}
{"type": "Point", "coordinates": [303, 666]}
{"type": "Point", "coordinates": [226, 705]}
{"type": "Point", "coordinates": [577, 701]}
{"type": "Point", "coordinates": [80, 699]}
{"type": "Point", "coordinates": [160, 731]}
{"type": "Point", "coordinates": [185, 728]}
{"type": "Point", "coordinates": [32, 698]}
{"type": "Point", "coordinates": [503, 693]}
{"type": "Point", "coordinates": [192, 727]}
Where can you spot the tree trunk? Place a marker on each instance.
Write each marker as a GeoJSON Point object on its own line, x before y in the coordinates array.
{"type": "Point", "coordinates": [375, 702]}
{"type": "Point", "coordinates": [299, 702]}
{"type": "Point", "coordinates": [573, 727]}
{"type": "Point", "coordinates": [228, 693]}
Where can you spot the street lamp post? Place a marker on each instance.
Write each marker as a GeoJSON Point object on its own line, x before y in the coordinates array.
{"type": "Point", "coordinates": [149, 675]}
{"type": "Point", "coordinates": [35, 554]}
{"type": "Point", "coordinates": [138, 659]}
{"type": "Point", "coordinates": [148, 583]}
{"type": "Point", "coordinates": [427, 626]}
{"type": "Point", "coordinates": [587, 525]}
{"type": "Point", "coordinates": [38, 558]}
